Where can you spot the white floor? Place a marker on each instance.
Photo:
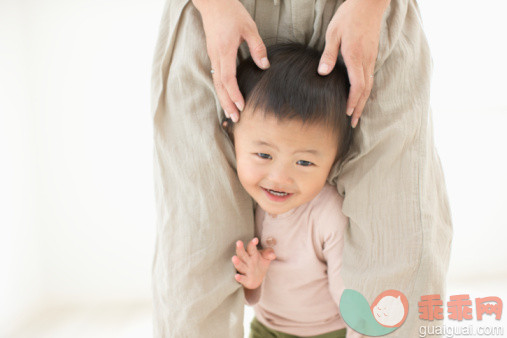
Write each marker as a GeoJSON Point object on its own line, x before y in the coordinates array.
{"type": "Point", "coordinates": [86, 321]}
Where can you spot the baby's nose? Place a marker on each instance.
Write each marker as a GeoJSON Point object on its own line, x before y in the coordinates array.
{"type": "Point", "coordinates": [280, 176]}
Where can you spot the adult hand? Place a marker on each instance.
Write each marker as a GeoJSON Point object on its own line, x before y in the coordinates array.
{"type": "Point", "coordinates": [355, 27]}
{"type": "Point", "coordinates": [226, 25]}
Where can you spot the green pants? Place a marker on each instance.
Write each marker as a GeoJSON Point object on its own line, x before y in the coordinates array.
{"type": "Point", "coordinates": [259, 330]}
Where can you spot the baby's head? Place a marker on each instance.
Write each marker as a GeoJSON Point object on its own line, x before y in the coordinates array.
{"type": "Point", "coordinates": [293, 128]}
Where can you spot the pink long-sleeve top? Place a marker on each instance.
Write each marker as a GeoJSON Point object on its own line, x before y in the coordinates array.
{"type": "Point", "coordinates": [301, 291]}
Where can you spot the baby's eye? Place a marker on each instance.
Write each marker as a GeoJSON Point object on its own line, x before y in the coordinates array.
{"type": "Point", "coordinates": [262, 155]}
{"type": "Point", "coordinates": [305, 163]}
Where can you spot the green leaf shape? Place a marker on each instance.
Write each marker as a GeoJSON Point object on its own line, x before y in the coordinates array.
{"type": "Point", "coordinates": [356, 312]}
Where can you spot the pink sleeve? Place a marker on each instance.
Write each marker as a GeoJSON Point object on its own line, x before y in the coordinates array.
{"type": "Point", "coordinates": [332, 227]}
{"type": "Point", "coordinates": [332, 250]}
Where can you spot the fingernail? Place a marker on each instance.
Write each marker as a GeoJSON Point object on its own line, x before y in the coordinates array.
{"type": "Point", "coordinates": [323, 68]}
{"type": "Point", "coordinates": [234, 117]}
{"type": "Point", "coordinates": [351, 110]}
{"type": "Point", "coordinates": [354, 122]}
{"type": "Point", "coordinates": [239, 105]}
{"type": "Point", "coordinates": [237, 244]}
{"type": "Point", "coordinates": [264, 62]}
{"type": "Point", "coordinates": [226, 113]}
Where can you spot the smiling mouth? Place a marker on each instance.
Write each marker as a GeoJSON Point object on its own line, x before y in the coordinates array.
{"type": "Point", "coordinates": [276, 192]}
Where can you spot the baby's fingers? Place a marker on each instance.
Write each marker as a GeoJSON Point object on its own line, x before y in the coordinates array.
{"type": "Point", "coordinates": [241, 278]}
{"type": "Point", "coordinates": [245, 281]}
{"type": "Point", "coordinates": [252, 247]}
{"type": "Point", "coordinates": [239, 265]}
{"type": "Point", "coordinates": [268, 254]}
{"type": "Point", "coordinates": [240, 251]}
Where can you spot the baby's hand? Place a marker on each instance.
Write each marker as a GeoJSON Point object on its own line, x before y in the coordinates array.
{"type": "Point", "coordinates": [252, 264]}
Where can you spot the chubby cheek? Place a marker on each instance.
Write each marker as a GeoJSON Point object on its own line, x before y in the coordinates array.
{"type": "Point", "coordinates": [249, 174]}
{"type": "Point", "coordinates": [311, 185]}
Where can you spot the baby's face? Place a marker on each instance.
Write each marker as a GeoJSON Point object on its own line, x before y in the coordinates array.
{"type": "Point", "coordinates": [282, 164]}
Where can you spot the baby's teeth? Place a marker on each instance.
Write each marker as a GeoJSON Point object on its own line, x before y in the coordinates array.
{"type": "Point", "coordinates": [278, 193]}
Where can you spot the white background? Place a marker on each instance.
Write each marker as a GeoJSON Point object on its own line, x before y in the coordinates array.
{"type": "Point", "coordinates": [77, 211]}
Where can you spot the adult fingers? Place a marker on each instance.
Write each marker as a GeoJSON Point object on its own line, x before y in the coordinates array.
{"type": "Point", "coordinates": [331, 50]}
{"type": "Point", "coordinates": [368, 79]}
{"type": "Point", "coordinates": [256, 47]}
{"type": "Point", "coordinates": [225, 101]}
{"type": "Point", "coordinates": [229, 81]}
{"type": "Point", "coordinates": [357, 83]}
{"type": "Point", "coordinates": [259, 55]}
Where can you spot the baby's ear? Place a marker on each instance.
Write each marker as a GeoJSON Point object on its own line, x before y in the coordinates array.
{"type": "Point", "coordinates": [226, 123]}
{"type": "Point", "coordinates": [227, 126]}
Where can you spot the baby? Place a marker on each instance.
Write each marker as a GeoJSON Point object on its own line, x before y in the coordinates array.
{"type": "Point", "coordinates": [290, 134]}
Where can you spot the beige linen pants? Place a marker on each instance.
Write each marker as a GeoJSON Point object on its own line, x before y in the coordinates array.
{"type": "Point", "coordinates": [400, 226]}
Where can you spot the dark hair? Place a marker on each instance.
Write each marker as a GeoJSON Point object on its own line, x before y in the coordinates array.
{"type": "Point", "coordinates": [292, 88]}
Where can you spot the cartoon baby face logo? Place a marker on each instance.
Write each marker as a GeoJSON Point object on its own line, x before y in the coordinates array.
{"type": "Point", "coordinates": [387, 312]}
{"type": "Point", "coordinates": [390, 308]}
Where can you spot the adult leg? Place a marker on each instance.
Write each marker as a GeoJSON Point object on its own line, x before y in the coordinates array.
{"type": "Point", "coordinates": [201, 207]}
{"type": "Point", "coordinates": [395, 195]}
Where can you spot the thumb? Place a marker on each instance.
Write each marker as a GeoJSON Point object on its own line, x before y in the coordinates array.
{"type": "Point", "coordinates": [257, 48]}
{"type": "Point", "coordinates": [268, 254]}
{"type": "Point", "coordinates": [329, 55]}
